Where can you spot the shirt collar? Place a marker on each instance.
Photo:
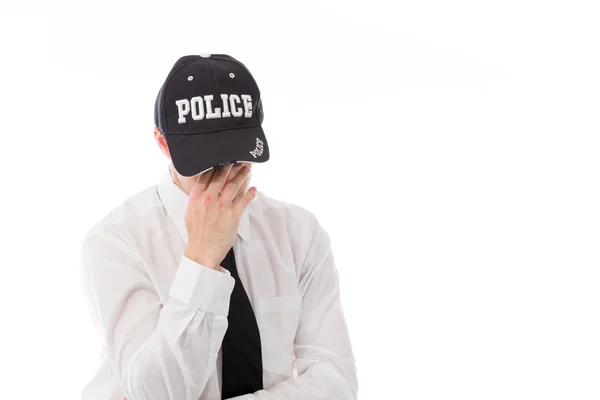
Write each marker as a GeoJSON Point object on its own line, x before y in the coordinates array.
{"type": "Point", "coordinates": [175, 202]}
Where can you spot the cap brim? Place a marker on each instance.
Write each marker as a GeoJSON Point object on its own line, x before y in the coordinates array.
{"type": "Point", "coordinates": [194, 154]}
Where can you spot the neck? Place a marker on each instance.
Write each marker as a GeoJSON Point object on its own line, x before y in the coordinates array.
{"type": "Point", "coordinates": [175, 177]}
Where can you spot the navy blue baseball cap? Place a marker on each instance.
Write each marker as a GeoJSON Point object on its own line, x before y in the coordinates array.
{"type": "Point", "coordinates": [210, 111]}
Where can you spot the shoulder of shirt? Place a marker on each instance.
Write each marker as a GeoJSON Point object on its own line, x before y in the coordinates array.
{"type": "Point", "coordinates": [300, 225]}
{"type": "Point", "coordinates": [274, 210]}
{"type": "Point", "coordinates": [133, 214]}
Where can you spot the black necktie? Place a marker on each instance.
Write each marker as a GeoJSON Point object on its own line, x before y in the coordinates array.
{"type": "Point", "coordinates": [242, 357]}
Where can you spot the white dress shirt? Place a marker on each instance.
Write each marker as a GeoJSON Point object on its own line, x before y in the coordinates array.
{"type": "Point", "coordinates": [162, 316]}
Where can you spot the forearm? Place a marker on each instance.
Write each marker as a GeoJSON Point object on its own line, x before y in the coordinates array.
{"type": "Point", "coordinates": [161, 368]}
{"type": "Point", "coordinates": [180, 356]}
{"type": "Point", "coordinates": [317, 380]}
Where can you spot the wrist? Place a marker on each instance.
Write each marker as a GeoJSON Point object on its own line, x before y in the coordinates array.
{"type": "Point", "coordinates": [199, 258]}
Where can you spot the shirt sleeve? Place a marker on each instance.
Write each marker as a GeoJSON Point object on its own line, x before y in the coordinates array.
{"type": "Point", "coordinates": [160, 351]}
{"type": "Point", "coordinates": [324, 357]}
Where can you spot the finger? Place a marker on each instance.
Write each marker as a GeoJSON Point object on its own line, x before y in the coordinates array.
{"type": "Point", "coordinates": [202, 182]}
{"type": "Point", "coordinates": [242, 203]}
{"type": "Point", "coordinates": [233, 172]}
{"type": "Point", "coordinates": [235, 183]}
{"type": "Point", "coordinates": [218, 179]}
{"type": "Point", "coordinates": [206, 176]}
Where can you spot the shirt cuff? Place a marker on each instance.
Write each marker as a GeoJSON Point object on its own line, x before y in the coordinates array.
{"type": "Point", "coordinates": [202, 287]}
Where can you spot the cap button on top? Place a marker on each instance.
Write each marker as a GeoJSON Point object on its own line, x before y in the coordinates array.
{"type": "Point", "coordinates": [205, 55]}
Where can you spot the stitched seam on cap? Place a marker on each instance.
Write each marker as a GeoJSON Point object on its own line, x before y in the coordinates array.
{"type": "Point", "coordinates": [167, 84]}
{"type": "Point", "coordinates": [241, 65]}
{"type": "Point", "coordinates": [212, 77]}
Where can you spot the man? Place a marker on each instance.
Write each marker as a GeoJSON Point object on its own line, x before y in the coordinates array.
{"type": "Point", "coordinates": [202, 287]}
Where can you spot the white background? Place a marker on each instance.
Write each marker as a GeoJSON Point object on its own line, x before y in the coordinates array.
{"type": "Point", "coordinates": [450, 149]}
